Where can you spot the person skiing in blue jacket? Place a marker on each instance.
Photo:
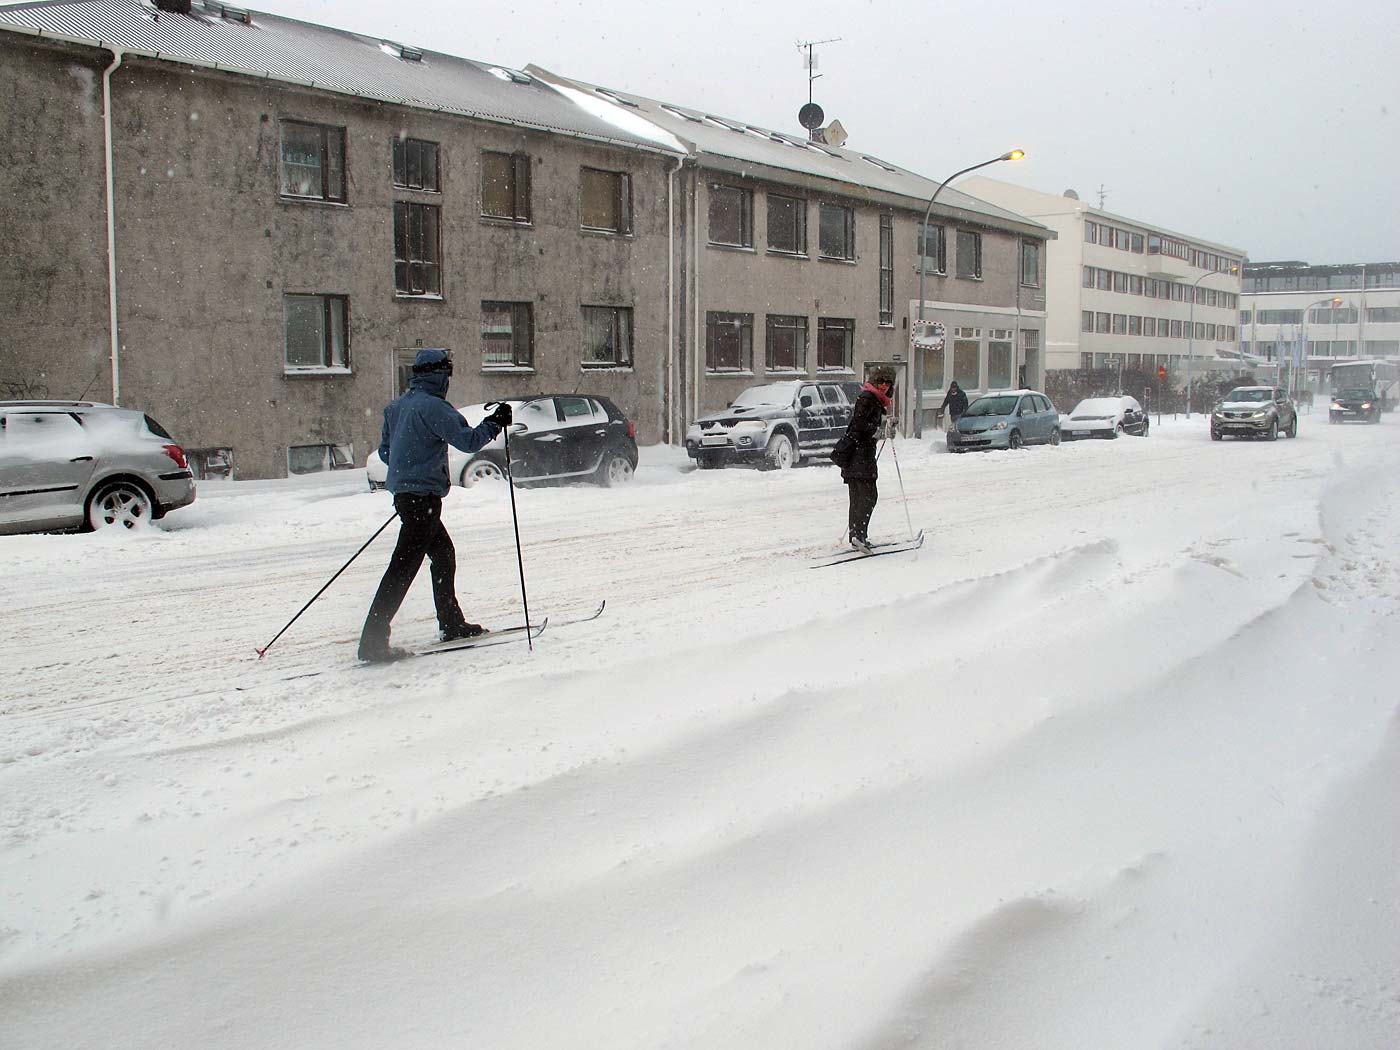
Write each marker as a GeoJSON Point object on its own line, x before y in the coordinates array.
{"type": "Point", "coordinates": [418, 427]}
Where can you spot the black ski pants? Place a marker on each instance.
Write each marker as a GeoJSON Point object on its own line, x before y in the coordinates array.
{"type": "Point", "coordinates": [864, 493]}
{"type": "Point", "coordinates": [420, 532]}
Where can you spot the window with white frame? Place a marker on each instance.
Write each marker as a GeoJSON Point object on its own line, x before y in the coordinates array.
{"type": "Point", "coordinates": [728, 341]}
{"type": "Point", "coordinates": [607, 337]}
{"type": "Point", "coordinates": [507, 335]}
{"type": "Point", "coordinates": [316, 334]}
{"type": "Point", "coordinates": [313, 161]}
{"type": "Point", "coordinates": [969, 255]}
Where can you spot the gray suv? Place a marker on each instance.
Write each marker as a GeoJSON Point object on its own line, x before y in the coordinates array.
{"type": "Point", "coordinates": [775, 425]}
{"type": "Point", "coordinates": [79, 464]}
{"type": "Point", "coordinates": [1254, 411]}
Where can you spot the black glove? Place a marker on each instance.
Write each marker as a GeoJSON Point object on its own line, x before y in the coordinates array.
{"type": "Point", "coordinates": [501, 416]}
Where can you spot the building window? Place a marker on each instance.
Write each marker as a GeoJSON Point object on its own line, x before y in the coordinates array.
{"type": "Point", "coordinates": [1030, 264]}
{"type": "Point", "coordinates": [1137, 243]}
{"type": "Point", "coordinates": [605, 200]}
{"type": "Point", "coordinates": [728, 342]}
{"type": "Point", "coordinates": [786, 343]}
{"type": "Point", "coordinates": [967, 350]}
{"type": "Point", "coordinates": [1101, 322]}
{"type": "Point", "coordinates": [415, 164]}
{"type": "Point", "coordinates": [1176, 329]}
{"type": "Point", "coordinates": [1091, 232]}
{"type": "Point", "coordinates": [1134, 324]}
{"type": "Point", "coordinates": [1086, 361]}
{"type": "Point", "coordinates": [1200, 329]}
{"type": "Point", "coordinates": [505, 186]}
{"type": "Point", "coordinates": [1149, 326]}
{"type": "Point", "coordinates": [837, 235]}
{"type": "Point", "coordinates": [607, 337]}
{"type": "Point", "coordinates": [1134, 284]}
{"type": "Point", "coordinates": [1378, 314]}
{"type": "Point", "coordinates": [1030, 357]}
{"type": "Point", "coordinates": [969, 254]}
{"type": "Point", "coordinates": [999, 346]}
{"type": "Point", "coordinates": [836, 338]}
{"type": "Point", "coordinates": [1086, 320]}
{"type": "Point", "coordinates": [887, 270]}
{"type": "Point", "coordinates": [731, 216]}
{"type": "Point", "coordinates": [313, 161]}
{"type": "Point", "coordinates": [1120, 282]}
{"type": "Point", "coordinates": [1154, 244]}
{"type": "Point", "coordinates": [933, 249]}
{"type": "Point", "coordinates": [787, 225]}
{"type": "Point", "coordinates": [315, 332]}
{"type": "Point", "coordinates": [1120, 324]}
{"type": "Point", "coordinates": [312, 459]}
{"type": "Point", "coordinates": [507, 335]}
{"type": "Point", "coordinates": [1088, 277]}
{"type": "Point", "coordinates": [1104, 279]}
{"type": "Point", "coordinates": [417, 258]}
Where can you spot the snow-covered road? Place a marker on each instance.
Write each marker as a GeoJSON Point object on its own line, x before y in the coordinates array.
{"type": "Point", "coordinates": [1112, 762]}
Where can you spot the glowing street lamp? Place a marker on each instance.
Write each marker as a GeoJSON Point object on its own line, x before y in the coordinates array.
{"type": "Point", "coordinates": [1015, 154]}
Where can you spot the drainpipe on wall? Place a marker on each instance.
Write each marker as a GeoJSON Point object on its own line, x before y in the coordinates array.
{"type": "Point", "coordinates": [111, 226]}
{"type": "Point", "coordinates": [671, 404]}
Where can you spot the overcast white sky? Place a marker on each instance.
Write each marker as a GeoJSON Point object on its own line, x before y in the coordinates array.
{"type": "Point", "coordinates": [1269, 126]}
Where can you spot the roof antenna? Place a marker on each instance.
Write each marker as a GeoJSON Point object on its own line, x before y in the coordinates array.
{"type": "Point", "coordinates": [811, 116]}
{"type": "Point", "coordinates": [1102, 195]}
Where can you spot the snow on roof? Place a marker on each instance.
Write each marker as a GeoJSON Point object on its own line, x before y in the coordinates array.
{"type": "Point", "coordinates": [237, 40]}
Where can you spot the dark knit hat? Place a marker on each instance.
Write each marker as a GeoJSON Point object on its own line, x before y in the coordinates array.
{"type": "Point", "coordinates": [431, 359]}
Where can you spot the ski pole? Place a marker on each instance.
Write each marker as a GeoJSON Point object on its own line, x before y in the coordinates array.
{"type": "Point", "coordinates": [902, 497]}
{"type": "Point", "coordinates": [263, 651]}
{"type": "Point", "coordinates": [519, 559]}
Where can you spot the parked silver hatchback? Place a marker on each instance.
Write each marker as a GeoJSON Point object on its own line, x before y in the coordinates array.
{"type": "Point", "coordinates": [80, 464]}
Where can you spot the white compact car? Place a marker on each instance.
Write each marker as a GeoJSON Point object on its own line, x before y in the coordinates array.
{"type": "Point", "coordinates": [1105, 417]}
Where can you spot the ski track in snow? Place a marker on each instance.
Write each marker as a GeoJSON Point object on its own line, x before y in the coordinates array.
{"type": "Point", "coordinates": [1066, 777]}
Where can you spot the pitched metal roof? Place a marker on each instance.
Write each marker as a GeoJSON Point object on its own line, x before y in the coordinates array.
{"type": "Point", "coordinates": [723, 138]}
{"type": "Point", "coordinates": [237, 40]}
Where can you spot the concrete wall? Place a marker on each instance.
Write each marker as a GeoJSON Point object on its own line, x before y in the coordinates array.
{"type": "Point", "coordinates": [53, 265]}
{"type": "Point", "coordinates": [207, 247]}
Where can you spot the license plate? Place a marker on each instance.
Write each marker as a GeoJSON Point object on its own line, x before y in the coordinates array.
{"type": "Point", "coordinates": [716, 439]}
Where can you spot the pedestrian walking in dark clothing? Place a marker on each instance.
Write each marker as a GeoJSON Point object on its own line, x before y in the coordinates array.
{"type": "Point", "coordinates": [856, 453]}
{"type": "Point", "coordinates": [418, 427]}
{"type": "Point", "coordinates": [955, 401]}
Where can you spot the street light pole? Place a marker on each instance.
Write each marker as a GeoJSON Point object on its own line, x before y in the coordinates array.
{"type": "Point", "coordinates": [1191, 333]}
{"type": "Point", "coordinates": [1014, 154]}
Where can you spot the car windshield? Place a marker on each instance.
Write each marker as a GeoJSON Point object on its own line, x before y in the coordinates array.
{"type": "Point", "coordinates": [1002, 405]}
{"type": "Point", "coordinates": [1354, 391]}
{"type": "Point", "coordinates": [772, 394]}
{"type": "Point", "coordinates": [1096, 406]}
{"type": "Point", "coordinates": [1249, 393]}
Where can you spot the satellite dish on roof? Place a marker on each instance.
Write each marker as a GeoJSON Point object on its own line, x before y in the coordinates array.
{"type": "Point", "coordinates": [810, 116]}
{"type": "Point", "coordinates": [1071, 195]}
{"type": "Point", "coordinates": [835, 134]}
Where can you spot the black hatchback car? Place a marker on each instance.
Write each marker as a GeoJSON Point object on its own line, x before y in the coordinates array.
{"type": "Point", "coordinates": [555, 438]}
{"type": "Point", "coordinates": [1360, 404]}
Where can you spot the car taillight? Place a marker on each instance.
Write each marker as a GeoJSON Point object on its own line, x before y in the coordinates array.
{"type": "Point", "coordinates": [631, 430]}
{"type": "Point", "coordinates": [176, 453]}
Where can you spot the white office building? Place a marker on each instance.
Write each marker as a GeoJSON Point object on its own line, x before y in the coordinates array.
{"type": "Point", "coordinates": [1291, 312]}
{"type": "Point", "coordinates": [1122, 292]}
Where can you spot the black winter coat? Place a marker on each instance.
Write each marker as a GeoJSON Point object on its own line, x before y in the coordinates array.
{"type": "Point", "coordinates": [861, 431]}
{"type": "Point", "coordinates": [955, 402]}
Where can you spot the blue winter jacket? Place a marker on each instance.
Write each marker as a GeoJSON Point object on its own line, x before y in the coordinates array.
{"type": "Point", "coordinates": [418, 427]}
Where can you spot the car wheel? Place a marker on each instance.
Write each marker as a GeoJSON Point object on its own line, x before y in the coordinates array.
{"type": "Point", "coordinates": [1293, 428]}
{"type": "Point", "coordinates": [119, 503]}
{"type": "Point", "coordinates": [1215, 435]}
{"type": "Point", "coordinates": [616, 469]}
{"type": "Point", "coordinates": [1117, 432]}
{"type": "Point", "coordinates": [1273, 430]}
{"type": "Point", "coordinates": [1015, 440]}
{"type": "Point", "coordinates": [483, 468]}
{"type": "Point", "coordinates": [709, 462]}
{"type": "Point", "coordinates": [1146, 426]}
{"type": "Point", "coordinates": [781, 454]}
{"type": "Point", "coordinates": [1055, 436]}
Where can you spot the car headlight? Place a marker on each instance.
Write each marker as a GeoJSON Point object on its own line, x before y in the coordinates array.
{"type": "Point", "coordinates": [1338, 408]}
{"type": "Point", "coordinates": [1366, 405]}
{"type": "Point", "coordinates": [1259, 415]}
{"type": "Point", "coordinates": [999, 426]}
{"type": "Point", "coordinates": [751, 424]}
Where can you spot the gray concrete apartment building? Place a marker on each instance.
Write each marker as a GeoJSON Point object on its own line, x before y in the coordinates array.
{"type": "Point", "coordinates": [295, 209]}
{"type": "Point", "coordinates": [805, 262]}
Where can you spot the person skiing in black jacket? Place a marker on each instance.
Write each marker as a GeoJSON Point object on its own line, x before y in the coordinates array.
{"type": "Point", "coordinates": [858, 468]}
{"type": "Point", "coordinates": [418, 427]}
{"type": "Point", "coordinates": [955, 401]}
